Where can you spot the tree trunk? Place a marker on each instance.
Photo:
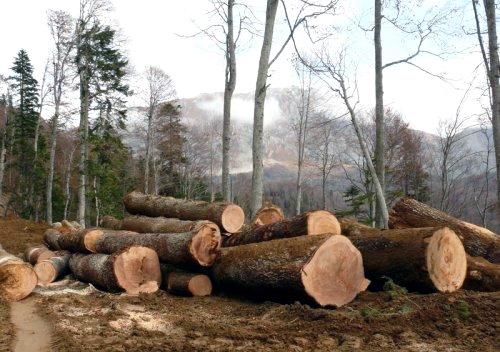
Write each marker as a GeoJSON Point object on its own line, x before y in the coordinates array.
{"type": "Point", "coordinates": [53, 268]}
{"type": "Point", "coordinates": [50, 176]}
{"type": "Point", "coordinates": [228, 216]}
{"type": "Point", "coordinates": [379, 113]}
{"type": "Point", "coordinates": [258, 113]}
{"type": "Point", "coordinates": [38, 253]}
{"type": "Point", "coordinates": [51, 239]}
{"type": "Point", "coordinates": [148, 149]}
{"type": "Point", "coordinates": [482, 275]}
{"type": "Point", "coordinates": [133, 269]}
{"type": "Point", "coordinates": [325, 269]}
{"type": "Point", "coordinates": [323, 192]}
{"type": "Point", "coordinates": [268, 214]}
{"type": "Point", "coordinates": [478, 241]}
{"type": "Point", "coordinates": [3, 148]}
{"type": "Point", "coordinates": [145, 224]}
{"type": "Point", "coordinates": [183, 283]}
{"type": "Point", "coordinates": [190, 249]}
{"type": "Point", "coordinates": [67, 185]}
{"type": "Point", "coordinates": [230, 85]}
{"type": "Point", "coordinates": [17, 278]}
{"type": "Point", "coordinates": [493, 75]}
{"type": "Point", "coordinates": [420, 259]}
{"type": "Point", "coordinates": [311, 223]}
{"type": "Point", "coordinates": [84, 131]}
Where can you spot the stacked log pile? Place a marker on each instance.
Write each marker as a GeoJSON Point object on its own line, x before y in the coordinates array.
{"type": "Point", "coordinates": [177, 245]}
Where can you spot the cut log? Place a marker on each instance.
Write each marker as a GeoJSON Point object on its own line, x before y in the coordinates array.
{"type": "Point", "coordinates": [268, 214]}
{"type": "Point", "coordinates": [228, 216]}
{"type": "Point", "coordinates": [352, 227]}
{"type": "Point", "coordinates": [325, 269]}
{"type": "Point", "coordinates": [17, 278]}
{"type": "Point", "coordinates": [37, 253]}
{"type": "Point", "coordinates": [482, 275]}
{"type": "Point", "coordinates": [311, 223]}
{"type": "Point", "coordinates": [53, 268]}
{"type": "Point", "coordinates": [420, 259]}
{"type": "Point", "coordinates": [146, 224]}
{"type": "Point", "coordinates": [183, 283]}
{"type": "Point", "coordinates": [81, 241]}
{"type": "Point", "coordinates": [199, 247]}
{"type": "Point", "coordinates": [134, 270]}
{"type": "Point", "coordinates": [478, 241]}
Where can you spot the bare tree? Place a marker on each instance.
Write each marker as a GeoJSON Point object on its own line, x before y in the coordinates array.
{"type": "Point", "coordinates": [160, 89]}
{"type": "Point", "coordinates": [3, 147]}
{"type": "Point", "coordinates": [61, 27]}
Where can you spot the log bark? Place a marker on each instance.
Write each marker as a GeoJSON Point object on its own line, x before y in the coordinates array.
{"type": "Point", "coordinates": [478, 241]}
{"type": "Point", "coordinates": [325, 269]}
{"type": "Point", "coordinates": [482, 275]}
{"type": "Point", "coordinates": [352, 227]}
{"type": "Point", "coordinates": [37, 253]}
{"type": "Point", "coordinates": [311, 223]}
{"type": "Point", "coordinates": [268, 214]}
{"type": "Point", "coordinates": [227, 216]}
{"type": "Point", "coordinates": [146, 224]}
{"type": "Point", "coordinates": [17, 278]}
{"type": "Point", "coordinates": [133, 269]}
{"type": "Point", "coordinates": [51, 239]}
{"type": "Point", "coordinates": [180, 282]}
{"type": "Point", "coordinates": [191, 249]}
{"type": "Point", "coordinates": [53, 268]}
{"type": "Point", "coordinates": [420, 259]}
{"type": "Point", "coordinates": [83, 241]}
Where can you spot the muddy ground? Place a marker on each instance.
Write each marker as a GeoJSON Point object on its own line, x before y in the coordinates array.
{"type": "Point", "coordinates": [84, 319]}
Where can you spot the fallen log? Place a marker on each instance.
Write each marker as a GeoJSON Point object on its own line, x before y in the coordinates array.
{"type": "Point", "coordinates": [81, 241]}
{"type": "Point", "coordinates": [179, 282]}
{"type": "Point", "coordinates": [53, 268]}
{"type": "Point", "coordinates": [351, 226]}
{"type": "Point", "coordinates": [37, 253]}
{"type": "Point", "coordinates": [227, 216]}
{"type": "Point", "coordinates": [325, 269]}
{"type": "Point", "coordinates": [482, 275]}
{"type": "Point", "coordinates": [478, 241]}
{"type": "Point", "coordinates": [199, 247]}
{"type": "Point", "coordinates": [311, 223]}
{"type": "Point", "coordinates": [420, 259]}
{"type": "Point", "coordinates": [268, 214]}
{"type": "Point", "coordinates": [146, 224]}
{"type": "Point", "coordinates": [51, 239]}
{"type": "Point", "coordinates": [133, 269]}
{"type": "Point", "coordinates": [17, 278]}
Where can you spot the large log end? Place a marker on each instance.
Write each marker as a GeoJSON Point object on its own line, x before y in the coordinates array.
{"type": "Point", "coordinates": [45, 272]}
{"type": "Point", "coordinates": [17, 280]}
{"type": "Point", "coordinates": [322, 221]}
{"type": "Point", "coordinates": [206, 243]}
{"type": "Point", "coordinates": [268, 215]}
{"type": "Point", "coordinates": [232, 218]}
{"type": "Point", "coordinates": [446, 260]}
{"type": "Point", "coordinates": [137, 270]}
{"type": "Point", "coordinates": [192, 284]}
{"type": "Point", "coordinates": [334, 275]}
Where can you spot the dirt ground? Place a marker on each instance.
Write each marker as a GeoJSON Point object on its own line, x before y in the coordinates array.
{"type": "Point", "coordinates": [84, 319]}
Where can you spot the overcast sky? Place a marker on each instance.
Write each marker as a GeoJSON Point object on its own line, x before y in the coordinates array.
{"type": "Point", "coordinates": [151, 28]}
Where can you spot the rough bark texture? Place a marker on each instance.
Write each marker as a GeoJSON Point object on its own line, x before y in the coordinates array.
{"type": "Point", "coordinates": [268, 214]}
{"type": "Point", "coordinates": [54, 268]}
{"type": "Point", "coordinates": [180, 282]}
{"type": "Point", "coordinates": [325, 269]}
{"type": "Point", "coordinates": [51, 239]}
{"type": "Point", "coordinates": [190, 249]}
{"type": "Point", "coordinates": [17, 278]}
{"type": "Point", "coordinates": [83, 135]}
{"type": "Point", "coordinates": [258, 112]}
{"type": "Point", "coordinates": [478, 241]}
{"type": "Point", "coordinates": [146, 224]}
{"type": "Point", "coordinates": [482, 275]}
{"type": "Point", "coordinates": [37, 253]}
{"type": "Point", "coordinates": [352, 227]}
{"type": "Point", "coordinates": [227, 216]}
{"type": "Point", "coordinates": [420, 259]}
{"type": "Point", "coordinates": [133, 269]}
{"type": "Point", "coordinates": [311, 223]}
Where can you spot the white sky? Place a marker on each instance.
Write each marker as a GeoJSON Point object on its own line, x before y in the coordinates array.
{"type": "Point", "coordinates": [196, 66]}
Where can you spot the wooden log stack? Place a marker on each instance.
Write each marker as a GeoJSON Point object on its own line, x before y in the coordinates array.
{"type": "Point", "coordinates": [17, 278]}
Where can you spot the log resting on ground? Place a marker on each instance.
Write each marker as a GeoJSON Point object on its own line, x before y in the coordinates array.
{"type": "Point", "coordinates": [311, 223]}
{"type": "Point", "coordinates": [420, 259]}
{"type": "Point", "coordinates": [133, 269]}
{"type": "Point", "coordinates": [37, 253]}
{"type": "Point", "coordinates": [51, 239]}
{"type": "Point", "coordinates": [325, 269]}
{"type": "Point", "coordinates": [227, 216]}
{"type": "Point", "coordinates": [199, 247]}
{"type": "Point", "coordinates": [180, 282]}
{"type": "Point", "coordinates": [82, 241]}
{"type": "Point", "coordinates": [160, 224]}
{"type": "Point", "coordinates": [482, 275]}
{"type": "Point", "coordinates": [268, 214]}
{"type": "Point", "coordinates": [17, 278]}
{"type": "Point", "coordinates": [478, 241]}
{"type": "Point", "coordinates": [352, 227]}
{"type": "Point", "coordinates": [53, 268]}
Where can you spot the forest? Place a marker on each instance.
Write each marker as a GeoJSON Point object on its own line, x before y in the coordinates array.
{"type": "Point", "coordinates": [77, 134]}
